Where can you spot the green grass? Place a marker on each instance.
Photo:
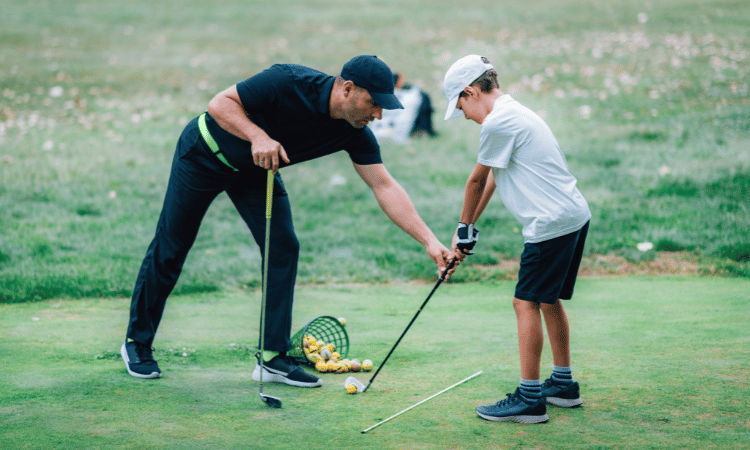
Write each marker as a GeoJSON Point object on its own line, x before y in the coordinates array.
{"type": "Point", "coordinates": [649, 101]}
{"type": "Point", "coordinates": [662, 363]}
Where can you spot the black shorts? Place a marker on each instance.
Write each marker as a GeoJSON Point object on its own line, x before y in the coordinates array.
{"type": "Point", "coordinates": [549, 268]}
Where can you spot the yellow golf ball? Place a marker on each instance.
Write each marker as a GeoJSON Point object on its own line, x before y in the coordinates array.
{"type": "Point", "coordinates": [321, 366]}
{"type": "Point", "coordinates": [351, 388]}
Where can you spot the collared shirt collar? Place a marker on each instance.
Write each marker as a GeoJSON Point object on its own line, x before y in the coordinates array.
{"type": "Point", "coordinates": [323, 106]}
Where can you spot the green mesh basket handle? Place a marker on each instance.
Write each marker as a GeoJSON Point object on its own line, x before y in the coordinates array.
{"type": "Point", "coordinates": [323, 328]}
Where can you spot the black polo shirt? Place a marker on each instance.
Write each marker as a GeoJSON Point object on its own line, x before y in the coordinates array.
{"type": "Point", "coordinates": [290, 103]}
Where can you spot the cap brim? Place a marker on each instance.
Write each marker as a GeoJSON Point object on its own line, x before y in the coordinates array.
{"type": "Point", "coordinates": [452, 112]}
{"type": "Point", "coordinates": [386, 101]}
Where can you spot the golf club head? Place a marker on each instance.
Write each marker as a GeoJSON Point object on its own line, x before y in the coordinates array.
{"type": "Point", "coordinates": [270, 400]}
{"type": "Point", "coordinates": [356, 382]}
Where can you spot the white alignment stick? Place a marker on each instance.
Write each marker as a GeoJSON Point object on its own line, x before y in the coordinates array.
{"type": "Point", "coordinates": [417, 404]}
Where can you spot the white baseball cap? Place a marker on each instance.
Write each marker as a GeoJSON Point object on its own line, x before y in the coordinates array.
{"type": "Point", "coordinates": [461, 74]}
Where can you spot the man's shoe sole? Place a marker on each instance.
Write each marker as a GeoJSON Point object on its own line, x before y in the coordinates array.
{"type": "Point", "coordinates": [271, 377]}
{"type": "Point", "coordinates": [564, 402]}
{"type": "Point", "coordinates": [517, 419]}
{"type": "Point", "coordinates": [124, 353]}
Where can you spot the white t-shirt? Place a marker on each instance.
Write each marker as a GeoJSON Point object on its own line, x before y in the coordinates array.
{"type": "Point", "coordinates": [530, 172]}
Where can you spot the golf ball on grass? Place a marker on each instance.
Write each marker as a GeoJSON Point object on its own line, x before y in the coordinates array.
{"type": "Point", "coordinates": [351, 388]}
{"type": "Point", "coordinates": [367, 365]}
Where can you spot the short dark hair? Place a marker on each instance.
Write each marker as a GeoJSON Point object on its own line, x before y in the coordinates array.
{"type": "Point", "coordinates": [486, 82]}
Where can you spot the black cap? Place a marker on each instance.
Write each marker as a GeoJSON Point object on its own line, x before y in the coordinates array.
{"type": "Point", "coordinates": [368, 72]}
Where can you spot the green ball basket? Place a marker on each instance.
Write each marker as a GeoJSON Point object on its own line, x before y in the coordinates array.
{"type": "Point", "coordinates": [323, 328]}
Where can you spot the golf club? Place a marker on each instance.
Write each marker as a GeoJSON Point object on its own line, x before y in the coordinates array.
{"type": "Point", "coordinates": [440, 280]}
{"type": "Point", "coordinates": [417, 404]}
{"type": "Point", "coordinates": [269, 400]}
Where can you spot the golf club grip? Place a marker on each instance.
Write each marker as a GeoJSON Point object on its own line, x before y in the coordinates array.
{"type": "Point", "coordinates": [447, 269]}
{"type": "Point", "coordinates": [269, 193]}
{"type": "Point", "coordinates": [440, 280]}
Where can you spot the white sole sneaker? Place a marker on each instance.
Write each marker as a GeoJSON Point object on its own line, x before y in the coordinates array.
{"type": "Point", "coordinates": [272, 376]}
{"type": "Point", "coordinates": [124, 353]}
{"type": "Point", "coordinates": [516, 419]}
{"type": "Point", "coordinates": [564, 402]}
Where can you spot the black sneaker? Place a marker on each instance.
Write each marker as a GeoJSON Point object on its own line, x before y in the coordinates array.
{"type": "Point", "coordinates": [562, 395]}
{"type": "Point", "coordinates": [282, 369]}
{"type": "Point", "coordinates": [515, 408]}
{"type": "Point", "coordinates": [139, 360]}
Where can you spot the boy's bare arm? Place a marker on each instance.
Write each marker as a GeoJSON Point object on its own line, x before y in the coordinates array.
{"type": "Point", "coordinates": [474, 194]}
{"type": "Point", "coordinates": [489, 189]}
{"type": "Point", "coordinates": [474, 201]}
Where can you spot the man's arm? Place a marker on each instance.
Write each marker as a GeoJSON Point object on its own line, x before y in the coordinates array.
{"type": "Point", "coordinates": [397, 205]}
{"type": "Point", "coordinates": [226, 109]}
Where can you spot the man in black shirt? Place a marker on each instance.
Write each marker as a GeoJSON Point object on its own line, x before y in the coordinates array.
{"type": "Point", "coordinates": [284, 115]}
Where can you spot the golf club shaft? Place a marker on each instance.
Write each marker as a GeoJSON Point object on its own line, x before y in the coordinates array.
{"type": "Point", "coordinates": [266, 254]}
{"type": "Point", "coordinates": [417, 404]}
{"type": "Point", "coordinates": [440, 280]}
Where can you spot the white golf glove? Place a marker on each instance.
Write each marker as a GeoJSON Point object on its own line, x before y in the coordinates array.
{"type": "Point", "coordinates": [467, 238]}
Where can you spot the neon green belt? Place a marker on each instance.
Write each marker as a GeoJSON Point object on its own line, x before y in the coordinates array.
{"type": "Point", "coordinates": [210, 141]}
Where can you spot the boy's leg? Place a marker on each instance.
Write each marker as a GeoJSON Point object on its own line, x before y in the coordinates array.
{"type": "Point", "coordinates": [558, 330]}
{"type": "Point", "coordinates": [542, 279]}
{"type": "Point", "coordinates": [560, 389]}
{"type": "Point", "coordinates": [530, 337]}
{"type": "Point", "coordinates": [526, 404]}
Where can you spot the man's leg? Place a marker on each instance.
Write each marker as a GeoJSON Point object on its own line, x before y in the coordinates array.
{"type": "Point", "coordinates": [282, 275]}
{"type": "Point", "coordinates": [191, 188]}
{"type": "Point", "coordinates": [282, 263]}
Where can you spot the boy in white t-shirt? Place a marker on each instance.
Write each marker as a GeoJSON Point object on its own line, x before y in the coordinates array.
{"type": "Point", "coordinates": [520, 157]}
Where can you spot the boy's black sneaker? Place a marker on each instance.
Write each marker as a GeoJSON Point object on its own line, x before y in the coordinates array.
{"type": "Point", "coordinates": [282, 369]}
{"type": "Point", "coordinates": [515, 408]}
{"type": "Point", "coordinates": [562, 395]}
{"type": "Point", "coordinates": [139, 360]}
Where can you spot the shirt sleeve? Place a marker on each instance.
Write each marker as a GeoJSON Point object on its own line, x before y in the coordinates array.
{"type": "Point", "coordinates": [262, 91]}
{"type": "Point", "coordinates": [364, 149]}
{"type": "Point", "coordinates": [496, 145]}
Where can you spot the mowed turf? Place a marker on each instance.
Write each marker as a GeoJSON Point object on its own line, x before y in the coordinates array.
{"type": "Point", "coordinates": [662, 363]}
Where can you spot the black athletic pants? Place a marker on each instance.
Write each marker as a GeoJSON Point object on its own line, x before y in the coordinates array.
{"type": "Point", "coordinates": [196, 179]}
